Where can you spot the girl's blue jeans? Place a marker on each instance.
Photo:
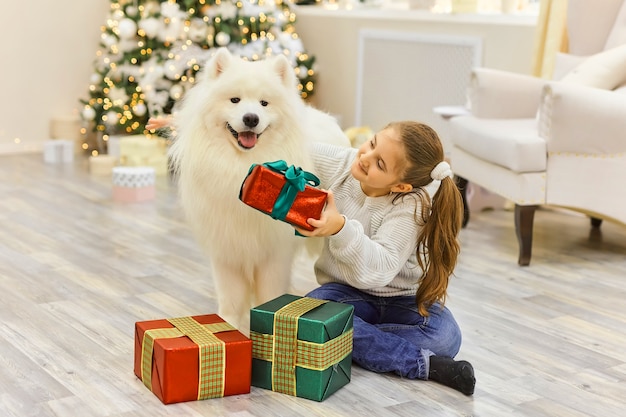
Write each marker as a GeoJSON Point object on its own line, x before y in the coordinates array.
{"type": "Point", "coordinates": [389, 333]}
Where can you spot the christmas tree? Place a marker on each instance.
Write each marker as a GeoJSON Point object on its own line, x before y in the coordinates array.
{"type": "Point", "coordinates": [151, 50]}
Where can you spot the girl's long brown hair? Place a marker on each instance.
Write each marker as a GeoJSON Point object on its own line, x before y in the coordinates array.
{"type": "Point", "coordinates": [437, 244]}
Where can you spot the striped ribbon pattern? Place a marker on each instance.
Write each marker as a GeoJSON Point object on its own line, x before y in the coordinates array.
{"type": "Point", "coordinates": [282, 348]}
{"type": "Point", "coordinates": [286, 342]}
{"type": "Point", "coordinates": [314, 356]}
{"type": "Point", "coordinates": [212, 353]}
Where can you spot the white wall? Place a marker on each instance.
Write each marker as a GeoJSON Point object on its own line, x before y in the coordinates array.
{"type": "Point", "coordinates": [46, 50]}
{"type": "Point", "coordinates": [333, 37]}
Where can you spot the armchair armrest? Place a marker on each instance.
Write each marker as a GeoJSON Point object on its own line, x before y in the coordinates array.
{"type": "Point", "coordinates": [580, 119]}
{"type": "Point", "coordinates": [504, 95]}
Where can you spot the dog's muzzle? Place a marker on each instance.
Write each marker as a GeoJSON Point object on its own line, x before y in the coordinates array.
{"type": "Point", "coordinates": [246, 139]}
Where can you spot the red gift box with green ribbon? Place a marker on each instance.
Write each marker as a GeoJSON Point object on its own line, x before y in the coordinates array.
{"type": "Point", "coordinates": [284, 192]}
{"type": "Point", "coordinates": [301, 346]}
{"type": "Point", "coordinates": [192, 358]}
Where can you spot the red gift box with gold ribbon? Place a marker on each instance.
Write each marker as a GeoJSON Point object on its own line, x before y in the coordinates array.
{"type": "Point", "coordinates": [284, 192]}
{"type": "Point", "coordinates": [192, 358]}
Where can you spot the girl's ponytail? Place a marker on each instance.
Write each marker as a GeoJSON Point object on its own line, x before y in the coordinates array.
{"type": "Point", "coordinates": [440, 217]}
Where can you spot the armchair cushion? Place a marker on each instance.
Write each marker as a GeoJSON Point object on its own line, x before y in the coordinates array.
{"type": "Point", "coordinates": [604, 70]}
{"type": "Point", "coordinates": [511, 143]}
{"type": "Point", "coordinates": [564, 63]}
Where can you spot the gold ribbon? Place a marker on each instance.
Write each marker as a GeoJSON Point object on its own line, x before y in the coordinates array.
{"type": "Point", "coordinates": [212, 353]}
{"type": "Point", "coordinates": [314, 356]}
{"type": "Point", "coordinates": [286, 352]}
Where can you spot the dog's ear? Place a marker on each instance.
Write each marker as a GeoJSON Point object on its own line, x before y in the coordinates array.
{"type": "Point", "coordinates": [284, 70]}
{"type": "Point", "coordinates": [218, 63]}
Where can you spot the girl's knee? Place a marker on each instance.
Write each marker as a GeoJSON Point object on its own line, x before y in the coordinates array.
{"type": "Point", "coordinates": [452, 335]}
{"type": "Point", "coordinates": [331, 291]}
{"type": "Point", "coordinates": [447, 334]}
{"type": "Point", "coordinates": [341, 293]}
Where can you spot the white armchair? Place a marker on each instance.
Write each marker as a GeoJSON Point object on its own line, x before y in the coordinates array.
{"type": "Point", "coordinates": [555, 143]}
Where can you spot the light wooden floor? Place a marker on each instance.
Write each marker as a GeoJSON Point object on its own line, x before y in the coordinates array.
{"type": "Point", "coordinates": [77, 271]}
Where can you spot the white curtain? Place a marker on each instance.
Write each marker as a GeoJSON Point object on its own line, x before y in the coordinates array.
{"type": "Point", "coordinates": [551, 36]}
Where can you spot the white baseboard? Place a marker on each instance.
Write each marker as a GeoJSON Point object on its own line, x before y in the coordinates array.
{"type": "Point", "coordinates": [16, 148]}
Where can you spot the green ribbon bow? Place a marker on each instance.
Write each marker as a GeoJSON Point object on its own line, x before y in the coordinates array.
{"type": "Point", "coordinates": [295, 181]}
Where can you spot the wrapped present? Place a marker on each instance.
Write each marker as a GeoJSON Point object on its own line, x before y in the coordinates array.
{"type": "Point", "coordinates": [133, 184]}
{"type": "Point", "coordinates": [192, 358]}
{"type": "Point", "coordinates": [301, 346]}
{"type": "Point", "coordinates": [58, 151]}
{"type": "Point", "coordinates": [464, 6]}
{"type": "Point", "coordinates": [140, 150]}
{"type": "Point", "coordinates": [284, 192]}
{"type": "Point", "coordinates": [67, 128]}
{"type": "Point", "coordinates": [101, 164]}
{"type": "Point", "coordinates": [113, 146]}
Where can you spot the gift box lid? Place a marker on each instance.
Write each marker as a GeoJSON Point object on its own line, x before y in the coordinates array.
{"type": "Point", "coordinates": [318, 326]}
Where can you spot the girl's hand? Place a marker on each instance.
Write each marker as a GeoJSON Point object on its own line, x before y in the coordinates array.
{"type": "Point", "coordinates": [157, 123]}
{"type": "Point", "coordinates": [330, 223]}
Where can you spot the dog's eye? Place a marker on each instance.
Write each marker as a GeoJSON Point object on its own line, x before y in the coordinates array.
{"type": "Point", "coordinates": [264, 103]}
{"type": "Point", "coordinates": [235, 100]}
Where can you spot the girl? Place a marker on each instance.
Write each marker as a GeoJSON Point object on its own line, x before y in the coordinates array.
{"type": "Point", "coordinates": [391, 225]}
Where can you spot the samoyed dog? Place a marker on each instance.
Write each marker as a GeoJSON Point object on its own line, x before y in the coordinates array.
{"type": "Point", "coordinates": [237, 114]}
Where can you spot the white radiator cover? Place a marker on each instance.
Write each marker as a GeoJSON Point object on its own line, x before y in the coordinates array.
{"type": "Point", "coordinates": [403, 75]}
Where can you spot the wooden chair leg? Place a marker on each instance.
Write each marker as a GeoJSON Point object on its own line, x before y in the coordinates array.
{"type": "Point", "coordinates": [524, 217]}
{"type": "Point", "coordinates": [595, 222]}
{"type": "Point", "coordinates": [461, 183]}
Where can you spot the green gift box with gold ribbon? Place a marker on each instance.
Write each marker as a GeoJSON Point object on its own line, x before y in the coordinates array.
{"type": "Point", "coordinates": [301, 346]}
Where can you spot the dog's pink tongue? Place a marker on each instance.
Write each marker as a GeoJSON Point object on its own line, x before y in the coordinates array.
{"type": "Point", "coordinates": [247, 139]}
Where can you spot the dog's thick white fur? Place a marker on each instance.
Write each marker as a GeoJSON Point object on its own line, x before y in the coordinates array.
{"type": "Point", "coordinates": [241, 113]}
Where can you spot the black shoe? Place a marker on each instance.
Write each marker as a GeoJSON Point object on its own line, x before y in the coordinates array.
{"type": "Point", "coordinates": [454, 374]}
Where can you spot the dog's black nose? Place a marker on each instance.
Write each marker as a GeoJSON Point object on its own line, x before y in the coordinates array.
{"type": "Point", "coordinates": [250, 119]}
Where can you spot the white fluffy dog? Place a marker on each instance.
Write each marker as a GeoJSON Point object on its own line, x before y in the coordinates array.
{"type": "Point", "coordinates": [240, 113]}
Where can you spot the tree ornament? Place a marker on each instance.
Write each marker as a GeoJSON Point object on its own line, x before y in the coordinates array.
{"type": "Point", "coordinates": [88, 113]}
{"type": "Point", "coordinates": [302, 72]}
{"type": "Point", "coordinates": [110, 118]}
{"type": "Point", "coordinates": [108, 40]}
{"type": "Point", "coordinates": [118, 15]}
{"type": "Point", "coordinates": [197, 30]}
{"type": "Point", "coordinates": [95, 78]}
{"type": "Point", "coordinates": [132, 11]}
{"type": "Point", "coordinates": [222, 39]}
{"type": "Point", "coordinates": [127, 28]}
{"type": "Point", "coordinates": [150, 8]}
{"type": "Point", "coordinates": [118, 96]}
{"type": "Point", "coordinates": [176, 92]}
{"type": "Point", "coordinates": [172, 31]}
{"type": "Point", "coordinates": [227, 10]}
{"type": "Point", "coordinates": [150, 26]}
{"type": "Point", "coordinates": [140, 109]}
{"type": "Point", "coordinates": [170, 10]}
{"type": "Point", "coordinates": [170, 69]}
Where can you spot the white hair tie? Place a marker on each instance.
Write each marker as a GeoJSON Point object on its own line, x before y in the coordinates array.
{"type": "Point", "coordinates": [441, 171]}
